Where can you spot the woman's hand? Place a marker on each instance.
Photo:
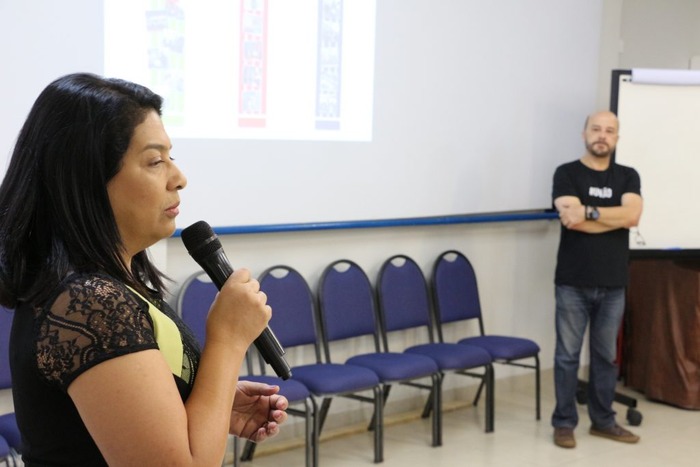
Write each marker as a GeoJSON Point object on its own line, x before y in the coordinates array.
{"type": "Point", "coordinates": [258, 411]}
{"type": "Point", "coordinates": [240, 311]}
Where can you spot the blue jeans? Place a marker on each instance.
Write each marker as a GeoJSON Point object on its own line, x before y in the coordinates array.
{"type": "Point", "coordinates": [576, 307]}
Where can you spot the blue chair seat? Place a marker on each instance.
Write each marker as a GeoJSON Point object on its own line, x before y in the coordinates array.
{"type": "Point", "coordinates": [333, 378]}
{"type": "Point", "coordinates": [451, 356]}
{"type": "Point", "coordinates": [504, 347]}
{"type": "Point", "coordinates": [392, 366]}
{"type": "Point", "coordinates": [294, 391]}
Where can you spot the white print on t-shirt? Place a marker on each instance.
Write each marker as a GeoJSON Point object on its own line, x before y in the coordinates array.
{"type": "Point", "coordinates": [597, 192]}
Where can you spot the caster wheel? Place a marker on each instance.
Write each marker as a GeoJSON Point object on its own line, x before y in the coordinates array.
{"type": "Point", "coordinates": [581, 397]}
{"type": "Point", "coordinates": [634, 417]}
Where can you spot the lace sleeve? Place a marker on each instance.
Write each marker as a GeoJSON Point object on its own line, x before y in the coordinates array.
{"type": "Point", "coordinates": [92, 320]}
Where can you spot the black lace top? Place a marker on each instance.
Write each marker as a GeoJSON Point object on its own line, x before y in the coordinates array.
{"type": "Point", "coordinates": [91, 319]}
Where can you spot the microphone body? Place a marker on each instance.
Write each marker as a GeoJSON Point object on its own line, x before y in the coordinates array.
{"type": "Point", "coordinates": [205, 248]}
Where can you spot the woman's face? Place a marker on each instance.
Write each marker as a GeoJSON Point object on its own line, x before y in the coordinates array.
{"type": "Point", "coordinates": [144, 194]}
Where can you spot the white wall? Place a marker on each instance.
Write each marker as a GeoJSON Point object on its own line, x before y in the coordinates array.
{"type": "Point", "coordinates": [610, 47]}
{"type": "Point", "coordinates": [646, 34]}
{"type": "Point", "coordinates": [659, 33]}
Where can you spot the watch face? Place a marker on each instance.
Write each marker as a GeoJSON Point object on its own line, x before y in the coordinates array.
{"type": "Point", "coordinates": [595, 214]}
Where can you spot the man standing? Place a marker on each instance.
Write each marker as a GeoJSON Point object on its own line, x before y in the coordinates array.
{"type": "Point", "coordinates": [598, 201]}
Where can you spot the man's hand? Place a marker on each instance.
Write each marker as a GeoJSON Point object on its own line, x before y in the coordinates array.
{"type": "Point", "coordinates": [571, 214]}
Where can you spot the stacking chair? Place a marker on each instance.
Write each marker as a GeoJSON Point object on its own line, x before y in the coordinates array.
{"type": "Point", "coordinates": [347, 310]}
{"type": "Point", "coordinates": [9, 431]}
{"type": "Point", "coordinates": [294, 323]}
{"type": "Point", "coordinates": [404, 303]}
{"type": "Point", "coordinates": [193, 303]}
{"type": "Point", "coordinates": [456, 298]}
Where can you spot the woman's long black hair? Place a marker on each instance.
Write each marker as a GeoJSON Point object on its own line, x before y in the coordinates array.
{"type": "Point", "coordinates": [55, 215]}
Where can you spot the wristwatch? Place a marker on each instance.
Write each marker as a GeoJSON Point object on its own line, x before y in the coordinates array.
{"type": "Point", "coordinates": [592, 213]}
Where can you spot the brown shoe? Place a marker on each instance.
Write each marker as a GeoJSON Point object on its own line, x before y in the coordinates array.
{"type": "Point", "coordinates": [564, 437]}
{"type": "Point", "coordinates": [615, 433]}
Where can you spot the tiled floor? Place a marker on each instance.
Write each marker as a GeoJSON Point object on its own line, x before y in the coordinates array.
{"type": "Point", "coordinates": [669, 437]}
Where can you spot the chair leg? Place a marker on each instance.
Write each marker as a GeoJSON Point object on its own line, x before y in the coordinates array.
{"type": "Point", "coordinates": [387, 389]}
{"type": "Point", "coordinates": [430, 401]}
{"type": "Point", "coordinates": [490, 392]}
{"type": "Point", "coordinates": [478, 393]}
{"type": "Point", "coordinates": [537, 387]}
{"type": "Point", "coordinates": [437, 409]}
{"type": "Point", "coordinates": [248, 451]}
{"type": "Point", "coordinates": [311, 450]}
{"type": "Point", "coordinates": [235, 452]}
{"type": "Point", "coordinates": [323, 411]}
{"type": "Point", "coordinates": [428, 405]}
{"type": "Point", "coordinates": [379, 425]}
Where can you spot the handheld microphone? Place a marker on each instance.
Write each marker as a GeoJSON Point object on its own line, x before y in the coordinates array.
{"type": "Point", "coordinates": [204, 246]}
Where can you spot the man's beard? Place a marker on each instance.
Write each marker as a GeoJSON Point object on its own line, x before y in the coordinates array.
{"type": "Point", "coordinates": [591, 147]}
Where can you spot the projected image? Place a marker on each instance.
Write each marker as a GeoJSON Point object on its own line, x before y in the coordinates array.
{"type": "Point", "coordinates": [250, 69]}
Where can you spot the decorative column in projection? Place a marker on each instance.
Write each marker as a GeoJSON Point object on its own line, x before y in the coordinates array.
{"type": "Point", "coordinates": [330, 48]}
{"type": "Point", "coordinates": [165, 24]}
{"type": "Point", "coordinates": [253, 64]}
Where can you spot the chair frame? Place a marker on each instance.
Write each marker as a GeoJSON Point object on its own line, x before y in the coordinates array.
{"type": "Point", "coordinates": [379, 338]}
{"type": "Point", "coordinates": [439, 321]}
{"type": "Point", "coordinates": [486, 377]}
{"type": "Point", "coordinates": [326, 398]}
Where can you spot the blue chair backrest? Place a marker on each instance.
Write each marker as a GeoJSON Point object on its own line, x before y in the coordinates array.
{"type": "Point", "coordinates": [403, 294]}
{"type": "Point", "coordinates": [195, 299]}
{"type": "Point", "coordinates": [455, 289]}
{"type": "Point", "coordinates": [292, 304]}
{"type": "Point", "coordinates": [347, 303]}
{"type": "Point", "coordinates": [5, 327]}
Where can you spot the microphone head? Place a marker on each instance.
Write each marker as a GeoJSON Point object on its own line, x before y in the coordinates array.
{"type": "Point", "coordinates": [200, 240]}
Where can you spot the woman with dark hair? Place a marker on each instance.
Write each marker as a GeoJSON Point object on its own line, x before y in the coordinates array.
{"type": "Point", "coordinates": [104, 372]}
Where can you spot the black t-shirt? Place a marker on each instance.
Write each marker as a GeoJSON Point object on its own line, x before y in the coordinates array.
{"type": "Point", "coordinates": [594, 260]}
{"type": "Point", "coordinates": [90, 319]}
